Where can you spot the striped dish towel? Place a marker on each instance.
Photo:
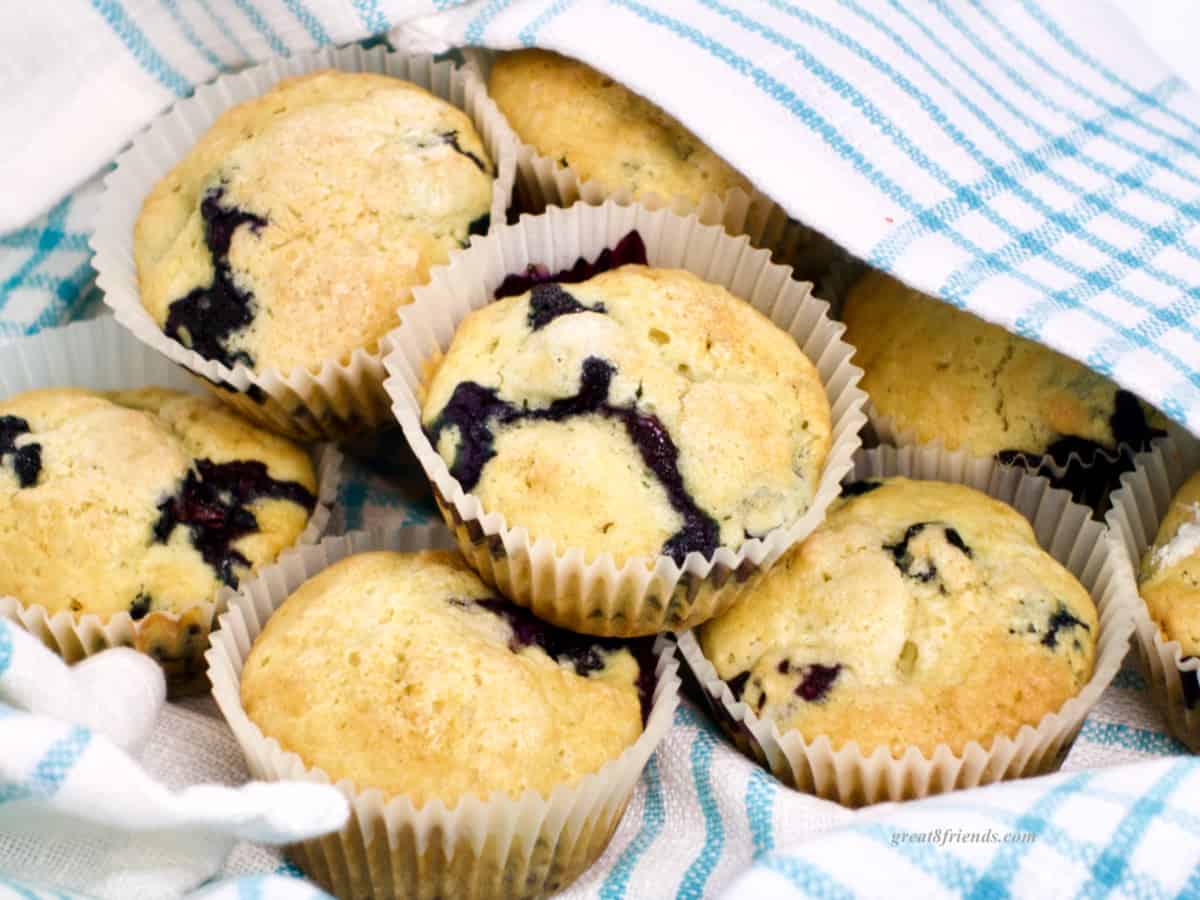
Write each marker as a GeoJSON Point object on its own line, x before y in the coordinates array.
{"type": "Point", "coordinates": [1033, 163]}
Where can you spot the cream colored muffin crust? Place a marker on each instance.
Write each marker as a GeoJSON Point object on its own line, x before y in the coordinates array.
{"type": "Point", "coordinates": [944, 375]}
{"type": "Point", "coordinates": [919, 613]}
{"type": "Point", "coordinates": [601, 129]}
{"type": "Point", "coordinates": [1170, 571]}
{"type": "Point", "coordinates": [140, 501]}
{"type": "Point", "coordinates": [404, 672]}
{"type": "Point", "coordinates": [643, 411]}
{"type": "Point", "coordinates": [292, 231]}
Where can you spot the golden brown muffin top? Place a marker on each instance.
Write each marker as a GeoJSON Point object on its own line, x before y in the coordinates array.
{"type": "Point", "coordinates": [918, 613]}
{"type": "Point", "coordinates": [299, 223]}
{"type": "Point", "coordinates": [140, 500]}
{"type": "Point", "coordinates": [604, 131]}
{"type": "Point", "coordinates": [404, 672]}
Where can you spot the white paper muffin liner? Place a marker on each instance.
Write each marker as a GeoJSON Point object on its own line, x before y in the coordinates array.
{"type": "Point", "coordinates": [543, 181]}
{"type": "Point", "coordinates": [1089, 478]}
{"type": "Point", "coordinates": [99, 354]}
{"type": "Point", "coordinates": [846, 775]}
{"type": "Point", "coordinates": [1137, 510]}
{"type": "Point", "coordinates": [647, 594]}
{"type": "Point", "coordinates": [501, 846]}
{"type": "Point", "coordinates": [342, 396]}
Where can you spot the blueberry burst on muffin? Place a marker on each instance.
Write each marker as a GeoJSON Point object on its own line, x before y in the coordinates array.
{"type": "Point", "coordinates": [919, 613]}
{"type": "Point", "coordinates": [944, 375]}
{"type": "Point", "coordinates": [140, 501]}
{"type": "Point", "coordinates": [289, 235]}
{"type": "Point", "coordinates": [404, 672]}
{"type": "Point", "coordinates": [638, 412]}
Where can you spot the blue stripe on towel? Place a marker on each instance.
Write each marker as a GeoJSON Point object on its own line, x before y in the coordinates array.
{"type": "Point", "coordinates": [653, 817]}
{"type": "Point", "coordinates": [136, 42]}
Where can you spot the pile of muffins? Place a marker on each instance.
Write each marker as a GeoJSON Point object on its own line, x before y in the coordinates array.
{"type": "Point", "coordinates": [635, 422]}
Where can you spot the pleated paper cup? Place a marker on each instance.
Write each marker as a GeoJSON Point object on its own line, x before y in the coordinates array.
{"type": "Point", "coordinates": [1090, 478]}
{"type": "Point", "coordinates": [100, 355]}
{"type": "Point", "coordinates": [1137, 510]}
{"type": "Point", "coordinates": [845, 774]}
{"type": "Point", "coordinates": [341, 396]}
{"type": "Point", "coordinates": [543, 181]}
{"type": "Point", "coordinates": [645, 594]}
{"type": "Point", "coordinates": [499, 846]}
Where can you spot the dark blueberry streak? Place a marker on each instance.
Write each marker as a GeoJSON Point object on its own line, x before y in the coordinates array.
{"type": "Point", "coordinates": [472, 409]}
{"type": "Point", "coordinates": [548, 301]}
{"type": "Point", "coordinates": [737, 684]}
{"type": "Point", "coordinates": [630, 250]}
{"type": "Point", "coordinates": [817, 681]}
{"type": "Point", "coordinates": [139, 607]}
{"type": "Point", "coordinates": [1129, 427]}
{"type": "Point", "coordinates": [212, 505]}
{"type": "Point", "coordinates": [1060, 620]}
{"type": "Point", "coordinates": [954, 539]}
{"type": "Point", "coordinates": [480, 224]}
{"type": "Point", "coordinates": [451, 138]}
{"type": "Point", "coordinates": [26, 459]}
{"type": "Point", "coordinates": [211, 314]}
{"type": "Point", "coordinates": [858, 488]}
{"type": "Point", "coordinates": [904, 559]}
{"type": "Point", "coordinates": [906, 562]}
{"type": "Point", "coordinates": [585, 653]}
{"type": "Point", "coordinates": [1190, 682]}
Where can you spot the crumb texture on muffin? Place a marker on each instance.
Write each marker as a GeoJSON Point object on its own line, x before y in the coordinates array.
{"type": "Point", "coordinates": [945, 375]}
{"type": "Point", "coordinates": [919, 613]}
{"type": "Point", "coordinates": [140, 501]}
{"type": "Point", "coordinates": [1170, 571]}
{"type": "Point", "coordinates": [404, 672]}
{"type": "Point", "coordinates": [605, 132]}
{"type": "Point", "coordinates": [292, 231]}
{"type": "Point", "coordinates": [643, 411]}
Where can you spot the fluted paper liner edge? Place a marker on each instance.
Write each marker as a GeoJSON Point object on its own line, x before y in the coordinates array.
{"type": "Point", "coordinates": [341, 397]}
{"type": "Point", "coordinates": [477, 848]}
{"type": "Point", "coordinates": [1136, 511]}
{"type": "Point", "coordinates": [600, 597]}
{"type": "Point", "coordinates": [846, 775]}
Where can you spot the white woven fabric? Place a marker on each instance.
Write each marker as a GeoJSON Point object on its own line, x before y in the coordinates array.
{"type": "Point", "coordinates": [80, 811]}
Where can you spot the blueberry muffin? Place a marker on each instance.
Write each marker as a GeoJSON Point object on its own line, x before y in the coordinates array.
{"type": "Point", "coordinates": [303, 218]}
{"type": "Point", "coordinates": [404, 672]}
{"type": "Point", "coordinates": [571, 113]}
{"type": "Point", "coordinates": [944, 375]}
{"type": "Point", "coordinates": [145, 501]}
{"type": "Point", "coordinates": [1170, 573]}
{"type": "Point", "coordinates": [640, 412]}
{"type": "Point", "coordinates": [920, 613]}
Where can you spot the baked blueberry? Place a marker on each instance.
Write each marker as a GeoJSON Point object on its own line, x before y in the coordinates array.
{"type": "Point", "coordinates": [919, 613]}
{"type": "Point", "coordinates": [638, 412]}
{"type": "Point", "coordinates": [629, 251]}
{"type": "Point", "coordinates": [207, 317]}
{"type": "Point", "coordinates": [290, 233]}
{"type": "Point", "coordinates": [146, 500]}
{"type": "Point", "coordinates": [926, 362]}
{"type": "Point", "coordinates": [213, 504]}
{"type": "Point", "coordinates": [26, 458]}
